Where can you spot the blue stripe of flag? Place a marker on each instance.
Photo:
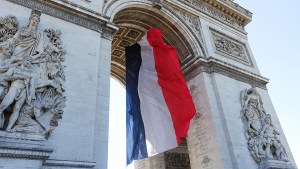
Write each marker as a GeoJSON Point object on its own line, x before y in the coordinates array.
{"type": "Point", "coordinates": [135, 132]}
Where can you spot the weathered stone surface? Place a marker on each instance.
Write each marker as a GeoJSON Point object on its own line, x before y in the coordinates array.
{"type": "Point", "coordinates": [19, 150]}
{"type": "Point", "coordinates": [275, 164]}
{"type": "Point", "coordinates": [217, 66]}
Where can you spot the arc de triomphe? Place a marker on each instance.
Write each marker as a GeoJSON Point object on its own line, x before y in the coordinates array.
{"type": "Point", "coordinates": [57, 57]}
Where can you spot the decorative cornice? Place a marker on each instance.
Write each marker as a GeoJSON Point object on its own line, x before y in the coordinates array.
{"type": "Point", "coordinates": [215, 10]}
{"type": "Point", "coordinates": [75, 5]}
{"type": "Point", "coordinates": [213, 65]}
{"type": "Point", "coordinates": [69, 164]}
{"type": "Point", "coordinates": [230, 8]}
{"type": "Point", "coordinates": [237, 8]}
{"type": "Point", "coordinates": [70, 12]}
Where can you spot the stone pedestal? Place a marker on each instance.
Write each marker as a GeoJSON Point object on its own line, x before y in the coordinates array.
{"type": "Point", "coordinates": [177, 158]}
{"type": "Point", "coordinates": [29, 150]}
{"type": "Point", "coordinates": [274, 164]}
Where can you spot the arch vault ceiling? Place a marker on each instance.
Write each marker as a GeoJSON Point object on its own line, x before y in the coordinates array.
{"type": "Point", "coordinates": [133, 23]}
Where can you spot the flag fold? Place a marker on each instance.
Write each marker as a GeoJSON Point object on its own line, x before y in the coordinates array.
{"type": "Point", "coordinates": [158, 103]}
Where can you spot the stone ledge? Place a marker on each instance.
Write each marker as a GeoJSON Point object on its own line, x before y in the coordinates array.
{"type": "Point", "coordinates": [213, 65]}
{"type": "Point", "coordinates": [274, 164]}
{"type": "Point", "coordinates": [73, 164]}
{"type": "Point", "coordinates": [23, 147]}
{"type": "Point", "coordinates": [21, 136]}
{"type": "Point", "coordinates": [68, 11]}
{"type": "Point", "coordinates": [237, 7]}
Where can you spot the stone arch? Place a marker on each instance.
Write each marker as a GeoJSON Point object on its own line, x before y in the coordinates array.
{"type": "Point", "coordinates": [134, 18]}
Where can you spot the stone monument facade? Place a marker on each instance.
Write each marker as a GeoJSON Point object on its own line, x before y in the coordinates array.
{"type": "Point", "coordinates": [56, 60]}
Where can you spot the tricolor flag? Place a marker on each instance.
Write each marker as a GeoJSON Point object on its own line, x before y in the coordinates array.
{"type": "Point", "coordinates": [159, 106]}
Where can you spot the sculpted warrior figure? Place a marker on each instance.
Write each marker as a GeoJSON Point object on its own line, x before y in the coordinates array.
{"type": "Point", "coordinates": [256, 147]}
{"type": "Point", "coordinates": [31, 76]}
{"type": "Point", "coordinates": [38, 110]}
{"type": "Point", "coordinates": [8, 27]}
{"type": "Point", "coordinates": [253, 122]}
{"type": "Point", "coordinates": [252, 132]}
{"type": "Point", "coordinates": [260, 133]}
{"type": "Point", "coordinates": [269, 134]}
{"type": "Point", "coordinates": [21, 88]}
{"type": "Point", "coordinates": [6, 51]}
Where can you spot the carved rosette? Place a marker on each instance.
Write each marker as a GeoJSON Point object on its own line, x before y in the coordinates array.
{"type": "Point", "coordinates": [262, 137]}
{"type": "Point", "coordinates": [32, 77]}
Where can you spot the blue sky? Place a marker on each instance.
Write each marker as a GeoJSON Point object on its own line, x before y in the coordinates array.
{"type": "Point", "coordinates": [274, 39]}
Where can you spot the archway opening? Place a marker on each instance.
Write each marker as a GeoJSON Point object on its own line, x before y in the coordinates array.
{"type": "Point", "coordinates": [117, 129]}
{"type": "Point", "coordinates": [133, 23]}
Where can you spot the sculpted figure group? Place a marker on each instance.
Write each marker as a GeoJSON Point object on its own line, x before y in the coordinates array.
{"type": "Point", "coordinates": [31, 77]}
{"type": "Point", "coordinates": [263, 142]}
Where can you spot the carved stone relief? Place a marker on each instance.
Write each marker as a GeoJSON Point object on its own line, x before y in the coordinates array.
{"type": "Point", "coordinates": [237, 7]}
{"type": "Point", "coordinates": [177, 160]}
{"type": "Point", "coordinates": [262, 137]}
{"type": "Point", "coordinates": [32, 77]}
{"type": "Point", "coordinates": [8, 27]}
{"type": "Point", "coordinates": [192, 21]}
{"type": "Point", "coordinates": [228, 20]}
{"type": "Point", "coordinates": [230, 47]}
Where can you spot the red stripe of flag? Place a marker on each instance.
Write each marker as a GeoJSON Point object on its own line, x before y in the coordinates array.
{"type": "Point", "coordinates": [171, 80]}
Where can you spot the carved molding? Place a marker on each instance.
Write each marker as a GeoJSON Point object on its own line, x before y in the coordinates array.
{"type": "Point", "coordinates": [217, 14]}
{"type": "Point", "coordinates": [70, 164]}
{"type": "Point", "coordinates": [14, 145]}
{"type": "Point", "coordinates": [75, 5]}
{"type": "Point", "coordinates": [213, 65]}
{"type": "Point", "coordinates": [231, 48]}
{"type": "Point", "coordinates": [87, 0]}
{"type": "Point", "coordinates": [192, 22]}
{"type": "Point", "coordinates": [157, 4]}
{"type": "Point", "coordinates": [237, 7]}
{"type": "Point", "coordinates": [108, 33]}
{"type": "Point", "coordinates": [86, 18]}
{"type": "Point", "coordinates": [145, 19]}
{"type": "Point", "coordinates": [12, 152]}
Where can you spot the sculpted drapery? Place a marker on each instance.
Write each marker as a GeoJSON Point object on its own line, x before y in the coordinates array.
{"type": "Point", "coordinates": [262, 137]}
{"type": "Point", "coordinates": [31, 77]}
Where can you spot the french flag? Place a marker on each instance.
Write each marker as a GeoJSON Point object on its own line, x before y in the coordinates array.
{"type": "Point", "coordinates": [159, 106]}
